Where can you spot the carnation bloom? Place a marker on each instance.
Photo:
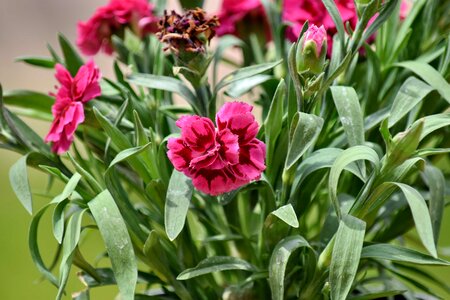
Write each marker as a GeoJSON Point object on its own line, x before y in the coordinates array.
{"type": "Point", "coordinates": [298, 12]}
{"type": "Point", "coordinates": [96, 33]}
{"type": "Point", "coordinates": [220, 159]}
{"type": "Point", "coordinates": [312, 50]}
{"type": "Point", "coordinates": [68, 110]}
{"type": "Point", "coordinates": [236, 16]}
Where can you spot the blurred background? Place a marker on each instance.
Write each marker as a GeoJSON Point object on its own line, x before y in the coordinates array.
{"type": "Point", "coordinates": [26, 26]}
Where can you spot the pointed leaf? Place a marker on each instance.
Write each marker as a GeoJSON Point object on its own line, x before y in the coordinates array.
{"type": "Point", "coordinates": [345, 256]}
{"type": "Point", "coordinates": [216, 264]}
{"type": "Point", "coordinates": [304, 135]}
{"type": "Point", "coordinates": [127, 153]}
{"type": "Point", "coordinates": [18, 177]}
{"type": "Point", "coordinates": [435, 180]}
{"type": "Point", "coordinates": [179, 194]}
{"type": "Point", "coordinates": [118, 243]}
{"type": "Point", "coordinates": [287, 214]}
{"type": "Point", "coordinates": [72, 59]}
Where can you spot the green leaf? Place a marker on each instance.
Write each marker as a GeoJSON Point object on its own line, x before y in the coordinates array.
{"type": "Point", "coordinates": [33, 104]}
{"type": "Point", "coordinates": [118, 243]}
{"type": "Point", "coordinates": [420, 215]}
{"type": "Point", "coordinates": [44, 62]}
{"type": "Point", "coordinates": [179, 194]}
{"type": "Point", "coordinates": [244, 73]}
{"type": "Point", "coordinates": [18, 177]}
{"type": "Point", "coordinates": [287, 214]}
{"type": "Point", "coordinates": [69, 188]}
{"type": "Point", "coordinates": [127, 153]}
{"type": "Point", "coordinates": [377, 295]}
{"type": "Point", "coordinates": [279, 260]}
{"type": "Point", "coordinates": [165, 83]}
{"type": "Point", "coordinates": [350, 114]}
{"type": "Point", "coordinates": [429, 75]}
{"type": "Point", "coordinates": [337, 20]}
{"type": "Point", "coordinates": [403, 145]}
{"type": "Point", "coordinates": [274, 120]}
{"type": "Point", "coordinates": [385, 13]}
{"type": "Point", "coordinates": [58, 220]}
{"type": "Point", "coordinates": [71, 239]}
{"type": "Point", "coordinates": [239, 88]}
{"type": "Point", "coordinates": [345, 257]}
{"type": "Point", "coordinates": [345, 158]}
{"type": "Point", "coordinates": [304, 135]}
{"type": "Point", "coordinates": [433, 122]}
{"type": "Point", "coordinates": [400, 254]}
{"type": "Point", "coordinates": [216, 264]}
{"type": "Point", "coordinates": [435, 180]}
{"type": "Point", "coordinates": [410, 94]}
{"type": "Point", "coordinates": [72, 59]}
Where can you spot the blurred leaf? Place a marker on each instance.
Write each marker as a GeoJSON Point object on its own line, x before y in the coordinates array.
{"type": "Point", "coordinates": [44, 62]}
{"type": "Point", "coordinates": [410, 94]}
{"type": "Point", "coordinates": [337, 20]}
{"type": "Point", "coordinates": [58, 220]}
{"type": "Point", "coordinates": [179, 194]}
{"type": "Point", "coordinates": [72, 59]}
{"type": "Point", "coordinates": [239, 88]}
{"type": "Point", "coordinates": [350, 114]}
{"type": "Point", "coordinates": [18, 177]}
{"type": "Point", "coordinates": [225, 42]}
{"type": "Point", "coordinates": [31, 103]}
{"type": "Point", "coordinates": [430, 76]}
{"type": "Point", "coordinates": [345, 257]}
{"type": "Point", "coordinates": [345, 158]}
{"type": "Point", "coordinates": [216, 264]}
{"type": "Point", "coordinates": [386, 11]}
{"type": "Point", "coordinates": [400, 254]}
{"type": "Point", "coordinates": [304, 135]}
{"type": "Point", "coordinates": [191, 4]}
{"type": "Point", "coordinates": [377, 295]}
{"type": "Point", "coordinates": [279, 260]}
{"type": "Point", "coordinates": [71, 239]}
{"type": "Point", "coordinates": [244, 73]}
{"type": "Point", "coordinates": [165, 83]}
{"type": "Point", "coordinates": [118, 244]}
{"type": "Point", "coordinates": [82, 295]}
{"type": "Point", "coordinates": [435, 180]}
{"type": "Point", "coordinates": [287, 214]}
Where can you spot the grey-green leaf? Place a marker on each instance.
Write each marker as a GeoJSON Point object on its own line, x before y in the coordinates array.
{"type": "Point", "coordinates": [216, 264]}
{"type": "Point", "coordinates": [345, 257]}
{"type": "Point", "coordinates": [287, 214]}
{"type": "Point", "coordinates": [118, 243]}
{"type": "Point", "coordinates": [239, 88]}
{"type": "Point", "coordinates": [18, 176]}
{"type": "Point", "coordinates": [127, 153]}
{"type": "Point", "coordinates": [179, 194]}
{"type": "Point", "coordinates": [435, 180]}
{"type": "Point", "coordinates": [430, 76]}
{"type": "Point", "coordinates": [400, 254]}
{"type": "Point", "coordinates": [279, 260]}
{"type": "Point", "coordinates": [350, 114]}
{"type": "Point", "coordinates": [304, 135]}
{"type": "Point", "coordinates": [410, 94]}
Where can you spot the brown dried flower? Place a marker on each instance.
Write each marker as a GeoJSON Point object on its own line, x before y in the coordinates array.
{"type": "Point", "coordinates": [188, 32]}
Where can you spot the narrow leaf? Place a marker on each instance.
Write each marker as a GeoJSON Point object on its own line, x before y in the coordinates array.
{"type": "Point", "coordinates": [400, 254]}
{"type": "Point", "coordinates": [179, 194]}
{"type": "Point", "coordinates": [345, 256]}
{"type": "Point", "coordinates": [118, 243]}
{"type": "Point", "coordinates": [279, 260]}
{"type": "Point", "coordinates": [127, 153]}
{"type": "Point", "coordinates": [72, 59]}
{"type": "Point", "coordinates": [435, 180]}
{"type": "Point", "coordinates": [216, 264]}
{"type": "Point", "coordinates": [18, 177]}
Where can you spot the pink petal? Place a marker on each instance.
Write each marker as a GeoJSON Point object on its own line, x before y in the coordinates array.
{"type": "Point", "coordinates": [229, 110]}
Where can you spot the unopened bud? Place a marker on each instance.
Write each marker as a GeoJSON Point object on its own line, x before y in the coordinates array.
{"type": "Point", "coordinates": [312, 50]}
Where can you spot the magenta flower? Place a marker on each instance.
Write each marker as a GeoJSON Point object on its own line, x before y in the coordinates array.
{"type": "Point", "coordinates": [68, 110]}
{"type": "Point", "coordinates": [316, 36]}
{"type": "Point", "coordinates": [312, 50]}
{"type": "Point", "coordinates": [220, 159]}
{"type": "Point", "coordinates": [96, 33]}
{"type": "Point", "coordinates": [238, 17]}
{"type": "Point", "coordinates": [297, 12]}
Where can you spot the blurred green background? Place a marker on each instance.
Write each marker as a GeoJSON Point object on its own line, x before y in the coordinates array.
{"type": "Point", "coordinates": [25, 28]}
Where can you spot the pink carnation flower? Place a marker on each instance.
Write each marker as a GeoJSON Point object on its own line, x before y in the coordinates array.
{"type": "Point", "coordinates": [298, 12]}
{"type": "Point", "coordinates": [68, 110]}
{"type": "Point", "coordinates": [316, 35]}
{"type": "Point", "coordinates": [220, 159]}
{"type": "Point", "coordinates": [95, 34]}
{"type": "Point", "coordinates": [237, 16]}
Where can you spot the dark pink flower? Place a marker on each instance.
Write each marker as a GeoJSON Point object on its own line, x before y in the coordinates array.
{"type": "Point", "coordinates": [68, 110]}
{"type": "Point", "coordinates": [238, 17]}
{"type": "Point", "coordinates": [405, 8]}
{"type": "Point", "coordinates": [297, 12]}
{"type": "Point", "coordinates": [316, 36]}
{"type": "Point", "coordinates": [219, 159]}
{"type": "Point", "coordinates": [96, 33]}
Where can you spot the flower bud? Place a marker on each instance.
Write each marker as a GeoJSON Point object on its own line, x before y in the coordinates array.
{"type": "Point", "coordinates": [312, 50]}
